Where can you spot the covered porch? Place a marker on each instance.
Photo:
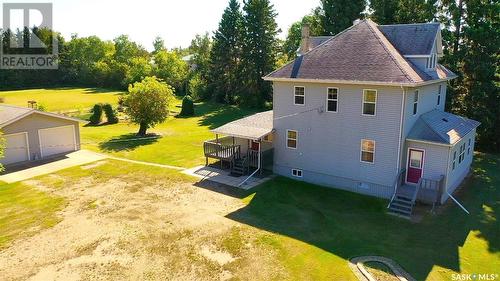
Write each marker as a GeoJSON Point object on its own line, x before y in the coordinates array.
{"type": "Point", "coordinates": [243, 147]}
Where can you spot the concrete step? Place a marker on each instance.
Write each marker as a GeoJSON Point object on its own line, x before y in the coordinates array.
{"type": "Point", "coordinates": [398, 214]}
{"type": "Point", "coordinates": [395, 205]}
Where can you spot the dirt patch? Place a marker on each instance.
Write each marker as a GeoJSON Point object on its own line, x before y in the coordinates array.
{"type": "Point", "coordinates": [121, 229]}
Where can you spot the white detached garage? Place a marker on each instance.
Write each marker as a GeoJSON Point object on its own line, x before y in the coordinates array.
{"type": "Point", "coordinates": [32, 135]}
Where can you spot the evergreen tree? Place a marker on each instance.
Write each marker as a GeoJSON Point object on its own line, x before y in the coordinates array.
{"type": "Point", "coordinates": [384, 11]}
{"type": "Point", "coordinates": [158, 45]}
{"type": "Point", "coordinates": [415, 11]}
{"type": "Point", "coordinates": [225, 56]}
{"type": "Point", "coordinates": [478, 90]}
{"type": "Point", "coordinates": [259, 50]}
{"type": "Point", "coordinates": [340, 14]}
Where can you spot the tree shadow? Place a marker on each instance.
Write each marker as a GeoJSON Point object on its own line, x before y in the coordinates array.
{"type": "Point", "coordinates": [127, 142]}
{"type": "Point", "coordinates": [349, 225]}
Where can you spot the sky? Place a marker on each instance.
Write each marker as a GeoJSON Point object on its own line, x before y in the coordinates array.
{"type": "Point", "coordinates": [177, 22]}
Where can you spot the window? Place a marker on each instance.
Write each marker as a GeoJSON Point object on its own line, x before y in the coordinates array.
{"type": "Point", "coordinates": [454, 160]}
{"type": "Point", "coordinates": [469, 147]}
{"type": "Point", "coordinates": [369, 102]}
{"type": "Point", "coordinates": [291, 139]}
{"type": "Point", "coordinates": [268, 138]}
{"type": "Point", "coordinates": [332, 99]}
{"type": "Point", "coordinates": [416, 157]}
{"type": "Point", "coordinates": [367, 151]}
{"type": "Point", "coordinates": [415, 102]}
{"type": "Point", "coordinates": [462, 154]}
{"type": "Point", "coordinates": [299, 95]}
{"type": "Point", "coordinates": [297, 173]}
{"type": "Point", "coordinates": [431, 61]}
{"type": "Point", "coordinates": [439, 95]}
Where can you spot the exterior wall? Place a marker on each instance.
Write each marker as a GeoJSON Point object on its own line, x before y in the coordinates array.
{"type": "Point", "coordinates": [329, 143]}
{"type": "Point", "coordinates": [32, 123]}
{"type": "Point", "coordinates": [457, 175]}
{"type": "Point", "coordinates": [427, 101]}
{"type": "Point", "coordinates": [435, 158]}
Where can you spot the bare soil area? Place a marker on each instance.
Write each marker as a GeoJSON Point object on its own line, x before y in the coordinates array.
{"type": "Point", "coordinates": [116, 229]}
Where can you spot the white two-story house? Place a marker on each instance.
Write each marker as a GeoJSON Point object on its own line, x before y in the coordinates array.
{"type": "Point", "coordinates": [361, 111]}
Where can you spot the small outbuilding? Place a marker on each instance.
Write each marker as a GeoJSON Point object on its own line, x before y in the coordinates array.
{"type": "Point", "coordinates": [33, 135]}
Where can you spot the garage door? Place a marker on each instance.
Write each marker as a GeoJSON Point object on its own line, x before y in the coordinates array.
{"type": "Point", "coordinates": [57, 140]}
{"type": "Point", "coordinates": [16, 148]}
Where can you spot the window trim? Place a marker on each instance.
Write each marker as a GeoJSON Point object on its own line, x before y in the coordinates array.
{"type": "Point", "coordinates": [327, 99]}
{"type": "Point", "coordinates": [295, 95]}
{"type": "Point", "coordinates": [363, 102]}
{"type": "Point", "coordinates": [296, 139]}
{"type": "Point", "coordinates": [416, 94]}
{"type": "Point", "coordinates": [431, 61]}
{"type": "Point", "coordinates": [297, 171]}
{"type": "Point", "coordinates": [440, 89]}
{"type": "Point", "coordinates": [361, 151]}
{"type": "Point", "coordinates": [454, 162]}
{"type": "Point", "coordinates": [461, 156]}
{"type": "Point", "coordinates": [469, 146]}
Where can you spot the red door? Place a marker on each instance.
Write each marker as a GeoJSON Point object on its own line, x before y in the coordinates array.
{"type": "Point", "coordinates": [255, 145]}
{"type": "Point", "coordinates": [415, 165]}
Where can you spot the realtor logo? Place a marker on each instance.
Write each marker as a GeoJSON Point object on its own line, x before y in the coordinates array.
{"type": "Point", "coordinates": [26, 42]}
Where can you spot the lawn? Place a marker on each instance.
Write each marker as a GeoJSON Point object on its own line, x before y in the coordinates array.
{"type": "Point", "coordinates": [320, 229]}
{"type": "Point", "coordinates": [23, 209]}
{"type": "Point", "coordinates": [62, 99]}
{"type": "Point", "coordinates": [180, 142]}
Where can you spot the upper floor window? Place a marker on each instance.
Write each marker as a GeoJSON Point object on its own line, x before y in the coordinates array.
{"type": "Point", "coordinates": [332, 99]}
{"type": "Point", "coordinates": [440, 88]}
{"type": "Point", "coordinates": [454, 160]}
{"type": "Point", "coordinates": [468, 150]}
{"type": "Point", "coordinates": [369, 102]}
{"type": "Point", "coordinates": [415, 102]}
{"type": "Point", "coordinates": [367, 151]}
{"type": "Point", "coordinates": [299, 95]}
{"type": "Point", "coordinates": [291, 139]}
{"type": "Point", "coordinates": [431, 61]}
{"type": "Point", "coordinates": [461, 157]}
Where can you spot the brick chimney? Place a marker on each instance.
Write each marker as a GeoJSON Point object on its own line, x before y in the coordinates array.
{"type": "Point", "coordinates": [305, 43]}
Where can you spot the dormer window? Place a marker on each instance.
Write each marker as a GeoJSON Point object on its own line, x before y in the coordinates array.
{"type": "Point", "coordinates": [432, 61]}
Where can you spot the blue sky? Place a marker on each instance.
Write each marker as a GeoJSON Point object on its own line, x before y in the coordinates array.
{"type": "Point", "coordinates": [176, 21]}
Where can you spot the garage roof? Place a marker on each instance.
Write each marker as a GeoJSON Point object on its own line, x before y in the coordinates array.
{"type": "Point", "coordinates": [10, 114]}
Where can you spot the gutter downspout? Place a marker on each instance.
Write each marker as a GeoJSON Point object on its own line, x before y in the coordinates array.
{"type": "Point", "coordinates": [399, 143]}
{"type": "Point", "coordinates": [456, 201]}
{"type": "Point", "coordinates": [258, 167]}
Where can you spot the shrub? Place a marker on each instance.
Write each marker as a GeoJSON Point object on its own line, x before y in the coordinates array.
{"type": "Point", "coordinates": [187, 106]}
{"type": "Point", "coordinates": [96, 117]}
{"type": "Point", "coordinates": [41, 107]}
{"type": "Point", "coordinates": [110, 113]}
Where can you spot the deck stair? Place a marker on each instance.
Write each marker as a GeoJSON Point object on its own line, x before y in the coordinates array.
{"type": "Point", "coordinates": [239, 167]}
{"type": "Point", "coordinates": [403, 202]}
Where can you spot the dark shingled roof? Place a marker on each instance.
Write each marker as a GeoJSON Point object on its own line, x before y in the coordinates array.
{"type": "Point", "coordinates": [360, 53]}
{"type": "Point", "coordinates": [314, 42]}
{"type": "Point", "coordinates": [411, 39]}
{"type": "Point", "coordinates": [441, 127]}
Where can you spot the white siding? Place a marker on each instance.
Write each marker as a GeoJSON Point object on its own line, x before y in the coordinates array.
{"type": "Point", "coordinates": [329, 143]}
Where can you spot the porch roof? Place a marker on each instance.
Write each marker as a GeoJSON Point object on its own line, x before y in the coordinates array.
{"type": "Point", "coordinates": [251, 127]}
{"type": "Point", "coordinates": [441, 127]}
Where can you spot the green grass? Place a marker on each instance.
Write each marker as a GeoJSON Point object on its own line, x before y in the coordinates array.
{"type": "Point", "coordinates": [318, 229]}
{"type": "Point", "coordinates": [180, 142]}
{"type": "Point", "coordinates": [25, 210]}
{"type": "Point", "coordinates": [62, 99]}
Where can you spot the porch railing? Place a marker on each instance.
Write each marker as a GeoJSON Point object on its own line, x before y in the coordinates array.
{"type": "Point", "coordinates": [398, 181]}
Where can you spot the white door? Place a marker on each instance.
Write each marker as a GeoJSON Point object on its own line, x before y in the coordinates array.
{"type": "Point", "coordinates": [16, 148]}
{"type": "Point", "coordinates": [57, 140]}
